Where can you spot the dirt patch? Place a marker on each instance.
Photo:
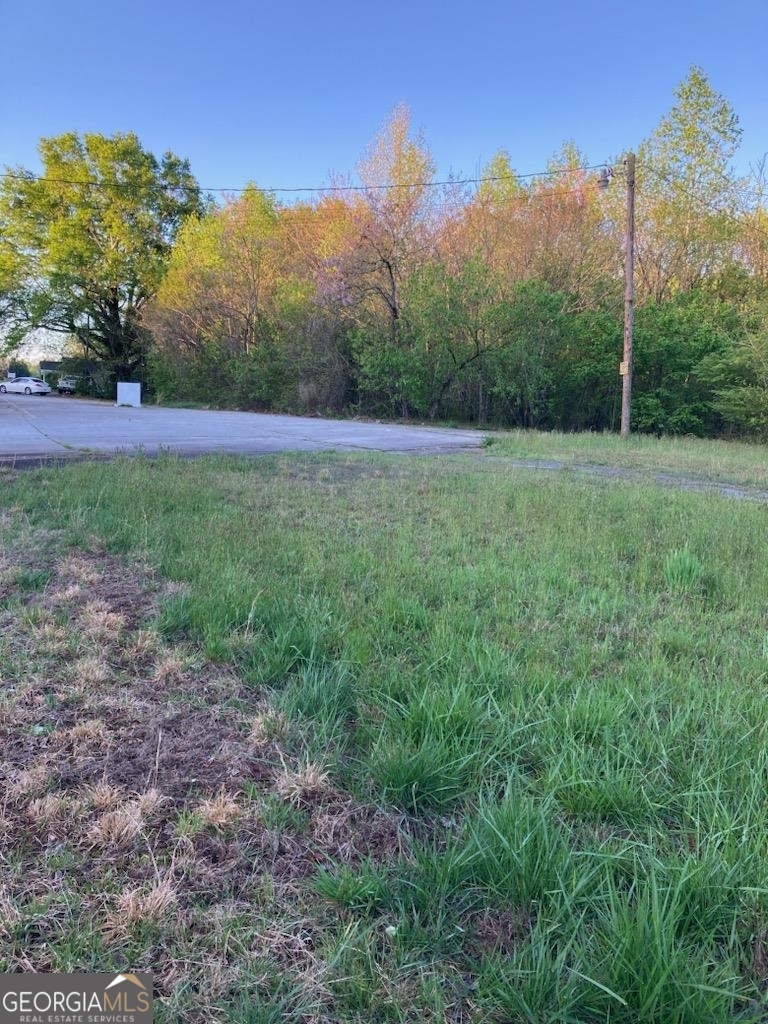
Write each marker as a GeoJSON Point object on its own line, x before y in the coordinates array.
{"type": "Point", "coordinates": [149, 818]}
{"type": "Point", "coordinates": [500, 931]}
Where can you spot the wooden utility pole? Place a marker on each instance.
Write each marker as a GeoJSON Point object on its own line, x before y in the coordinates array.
{"type": "Point", "coordinates": [629, 299]}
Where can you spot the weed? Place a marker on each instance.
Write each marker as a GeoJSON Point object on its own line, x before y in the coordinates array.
{"type": "Point", "coordinates": [683, 571]}
{"type": "Point", "coordinates": [363, 889]}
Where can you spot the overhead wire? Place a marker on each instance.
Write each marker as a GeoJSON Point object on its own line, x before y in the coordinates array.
{"type": "Point", "coordinates": [330, 190]}
{"type": "Point", "coordinates": [446, 206]}
{"type": "Point", "coordinates": [313, 189]}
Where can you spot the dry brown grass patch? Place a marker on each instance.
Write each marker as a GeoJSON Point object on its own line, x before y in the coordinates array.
{"type": "Point", "coordinates": [267, 726]}
{"type": "Point", "coordinates": [350, 832]}
{"type": "Point", "coordinates": [100, 621]}
{"type": "Point", "coordinates": [86, 731]}
{"type": "Point", "coordinates": [91, 670]}
{"type": "Point", "coordinates": [171, 668]}
{"type": "Point", "coordinates": [103, 796]}
{"type": "Point", "coordinates": [47, 810]}
{"type": "Point", "coordinates": [52, 639]}
{"type": "Point", "coordinates": [144, 643]}
{"type": "Point", "coordinates": [81, 570]}
{"type": "Point", "coordinates": [149, 802]}
{"type": "Point", "coordinates": [292, 942]}
{"type": "Point", "coordinates": [139, 905]}
{"type": "Point", "coordinates": [219, 810]}
{"type": "Point", "coordinates": [10, 915]}
{"type": "Point", "coordinates": [27, 782]}
{"type": "Point", "coordinates": [302, 784]}
{"type": "Point", "coordinates": [118, 828]}
{"type": "Point", "coordinates": [108, 743]}
{"type": "Point", "coordinates": [501, 930]}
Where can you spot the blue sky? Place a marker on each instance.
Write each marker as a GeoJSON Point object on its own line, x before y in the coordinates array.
{"type": "Point", "coordinates": [288, 95]}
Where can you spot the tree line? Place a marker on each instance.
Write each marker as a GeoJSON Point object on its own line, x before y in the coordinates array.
{"type": "Point", "coordinates": [497, 302]}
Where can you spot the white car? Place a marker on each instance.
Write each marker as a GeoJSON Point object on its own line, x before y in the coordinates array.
{"type": "Point", "coordinates": [25, 386]}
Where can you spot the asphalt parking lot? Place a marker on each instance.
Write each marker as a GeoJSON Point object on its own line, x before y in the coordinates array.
{"type": "Point", "coordinates": [54, 427]}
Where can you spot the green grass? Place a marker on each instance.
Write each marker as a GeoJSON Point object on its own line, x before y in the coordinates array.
{"type": "Point", "coordinates": [511, 751]}
{"type": "Point", "coordinates": [727, 462]}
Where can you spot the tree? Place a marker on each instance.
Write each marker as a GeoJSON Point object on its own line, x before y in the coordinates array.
{"type": "Point", "coordinates": [483, 225]}
{"type": "Point", "coordinates": [561, 240]}
{"type": "Point", "coordinates": [498, 183]}
{"type": "Point", "coordinates": [396, 174]}
{"type": "Point", "coordinates": [321, 241]}
{"type": "Point", "coordinates": [83, 246]}
{"type": "Point", "coordinates": [549, 230]}
{"type": "Point", "coordinates": [675, 340]}
{"type": "Point", "coordinates": [222, 276]}
{"type": "Point", "coordinates": [437, 366]}
{"type": "Point", "coordinates": [11, 280]}
{"type": "Point", "coordinates": [19, 368]}
{"type": "Point", "coordinates": [743, 396]}
{"type": "Point", "coordinates": [753, 227]}
{"type": "Point", "coordinates": [217, 317]}
{"type": "Point", "coordinates": [533, 325]}
{"type": "Point", "coordinates": [686, 192]}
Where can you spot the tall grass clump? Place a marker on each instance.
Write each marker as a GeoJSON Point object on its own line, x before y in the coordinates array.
{"type": "Point", "coordinates": [683, 571]}
{"type": "Point", "coordinates": [663, 968]}
{"type": "Point", "coordinates": [518, 851]}
{"type": "Point", "coordinates": [431, 745]}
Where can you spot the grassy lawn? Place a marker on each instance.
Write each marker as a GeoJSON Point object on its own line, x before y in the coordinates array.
{"type": "Point", "coordinates": [725, 462]}
{"type": "Point", "coordinates": [368, 739]}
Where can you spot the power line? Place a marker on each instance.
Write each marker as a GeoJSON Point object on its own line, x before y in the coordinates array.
{"type": "Point", "coordinates": [745, 193]}
{"type": "Point", "coordinates": [95, 183]}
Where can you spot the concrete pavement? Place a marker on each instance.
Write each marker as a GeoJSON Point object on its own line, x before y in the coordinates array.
{"type": "Point", "coordinates": [53, 426]}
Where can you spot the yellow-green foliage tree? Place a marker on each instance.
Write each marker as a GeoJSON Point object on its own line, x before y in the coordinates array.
{"type": "Point", "coordinates": [687, 193]}
{"type": "Point", "coordinates": [222, 278]}
{"type": "Point", "coordinates": [224, 318]}
{"type": "Point", "coordinates": [83, 245]}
